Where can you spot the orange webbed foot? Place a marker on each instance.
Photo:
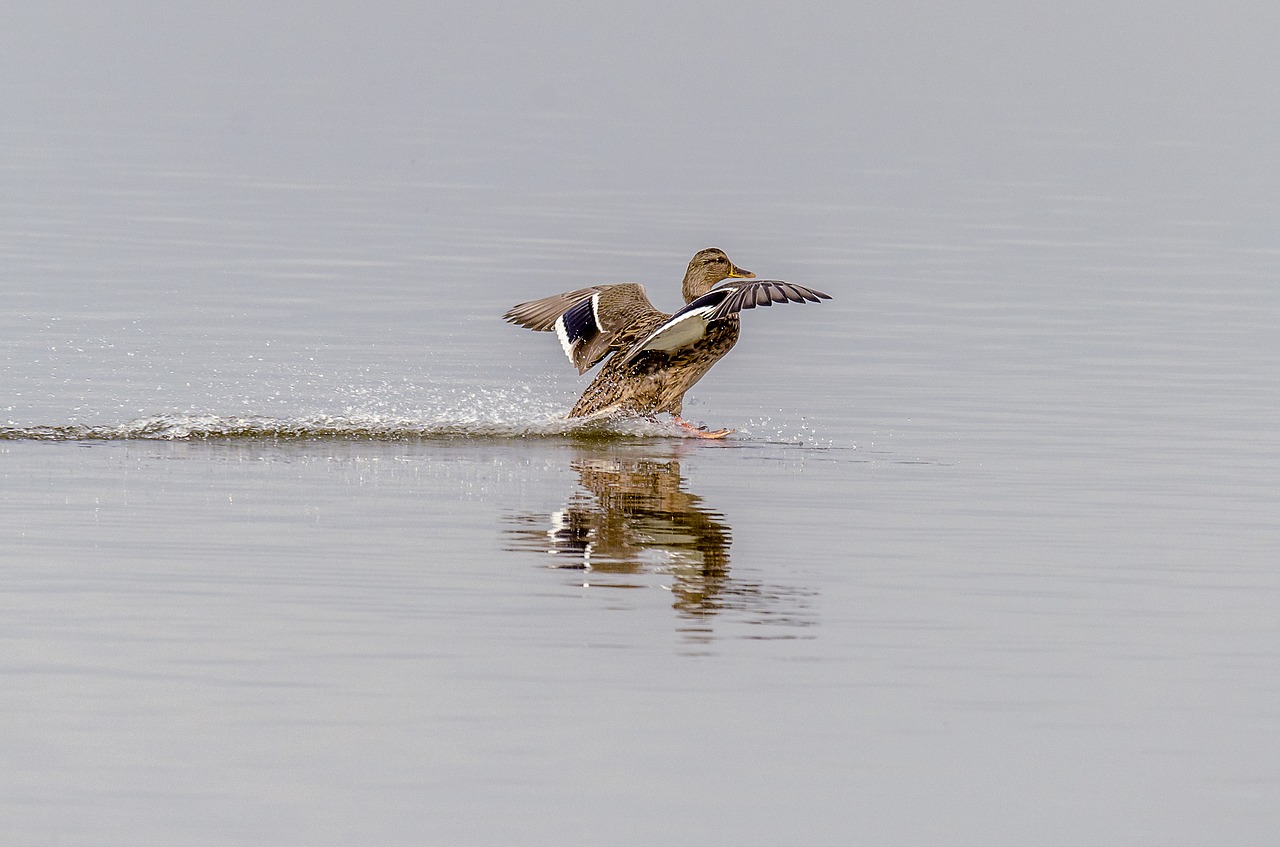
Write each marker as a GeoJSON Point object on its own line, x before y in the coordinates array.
{"type": "Point", "coordinates": [699, 431]}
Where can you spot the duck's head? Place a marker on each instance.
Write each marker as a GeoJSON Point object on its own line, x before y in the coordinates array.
{"type": "Point", "coordinates": [707, 268]}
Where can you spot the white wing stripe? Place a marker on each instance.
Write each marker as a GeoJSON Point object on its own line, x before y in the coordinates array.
{"type": "Point", "coordinates": [676, 333]}
{"type": "Point", "coordinates": [563, 335]}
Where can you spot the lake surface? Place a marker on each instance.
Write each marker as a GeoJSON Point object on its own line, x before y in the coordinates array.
{"type": "Point", "coordinates": [296, 547]}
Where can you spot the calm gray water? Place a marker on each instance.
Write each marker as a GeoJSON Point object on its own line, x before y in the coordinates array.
{"type": "Point", "coordinates": [295, 548]}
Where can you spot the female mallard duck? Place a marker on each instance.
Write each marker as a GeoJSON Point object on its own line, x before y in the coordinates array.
{"type": "Point", "coordinates": [656, 357]}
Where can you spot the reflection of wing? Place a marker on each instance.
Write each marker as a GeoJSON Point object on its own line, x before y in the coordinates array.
{"type": "Point", "coordinates": [633, 515]}
{"type": "Point", "coordinates": [590, 322]}
{"type": "Point", "coordinates": [643, 508]}
{"type": "Point", "coordinates": [688, 325]}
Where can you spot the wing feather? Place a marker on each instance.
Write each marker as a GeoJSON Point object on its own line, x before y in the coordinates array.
{"type": "Point", "coordinates": [748, 294]}
{"type": "Point", "coordinates": [593, 322]}
{"type": "Point", "coordinates": [541, 315]}
{"type": "Point", "coordinates": [687, 326]}
{"type": "Point", "coordinates": [590, 322]}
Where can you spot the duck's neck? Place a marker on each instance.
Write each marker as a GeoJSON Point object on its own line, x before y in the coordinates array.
{"type": "Point", "coordinates": [695, 285]}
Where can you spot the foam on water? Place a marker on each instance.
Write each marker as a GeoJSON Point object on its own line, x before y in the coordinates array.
{"type": "Point", "coordinates": [199, 427]}
{"type": "Point", "coordinates": [382, 411]}
{"type": "Point", "coordinates": [365, 427]}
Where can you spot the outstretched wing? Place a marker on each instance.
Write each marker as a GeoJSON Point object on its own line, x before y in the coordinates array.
{"type": "Point", "coordinates": [688, 325]}
{"type": "Point", "coordinates": [541, 315]}
{"type": "Point", "coordinates": [734, 296]}
{"type": "Point", "coordinates": [590, 322]}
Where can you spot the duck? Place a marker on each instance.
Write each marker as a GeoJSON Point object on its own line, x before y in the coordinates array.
{"type": "Point", "coordinates": [654, 358]}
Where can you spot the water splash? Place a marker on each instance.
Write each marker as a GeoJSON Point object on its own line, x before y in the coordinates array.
{"type": "Point", "coordinates": [365, 427]}
{"type": "Point", "coordinates": [382, 412]}
{"type": "Point", "coordinates": [786, 431]}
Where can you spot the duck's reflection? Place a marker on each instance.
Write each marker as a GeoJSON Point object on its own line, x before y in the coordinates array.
{"type": "Point", "coordinates": [634, 516]}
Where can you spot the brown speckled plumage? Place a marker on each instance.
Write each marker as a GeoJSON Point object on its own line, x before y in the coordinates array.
{"type": "Point", "coordinates": [656, 357]}
{"type": "Point", "coordinates": [655, 381]}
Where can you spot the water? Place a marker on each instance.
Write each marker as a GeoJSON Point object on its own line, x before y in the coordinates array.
{"type": "Point", "coordinates": [296, 546]}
